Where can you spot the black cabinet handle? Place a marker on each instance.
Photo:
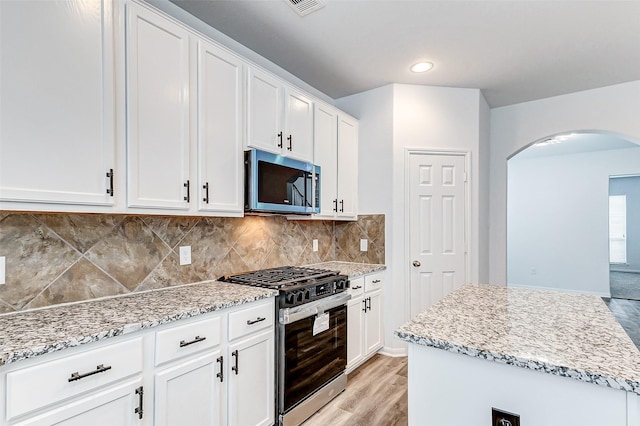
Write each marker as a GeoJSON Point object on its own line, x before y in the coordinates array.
{"type": "Point", "coordinates": [99, 369]}
{"type": "Point", "coordinates": [259, 319]}
{"type": "Point", "coordinates": [375, 281]}
{"type": "Point", "coordinates": [235, 367]}
{"type": "Point", "coordinates": [368, 303]}
{"type": "Point", "coordinates": [356, 287]}
{"type": "Point", "coordinates": [335, 205]}
{"type": "Point", "coordinates": [184, 343]}
{"type": "Point", "coordinates": [187, 185]}
{"type": "Point", "coordinates": [139, 409]}
{"type": "Point", "coordinates": [220, 375]}
{"type": "Point", "coordinates": [280, 137]}
{"type": "Point", "coordinates": [206, 192]}
{"type": "Point", "coordinates": [110, 176]}
{"type": "Point", "coordinates": [365, 305]}
{"type": "Point", "coordinates": [290, 139]}
{"type": "Point", "coordinates": [341, 206]}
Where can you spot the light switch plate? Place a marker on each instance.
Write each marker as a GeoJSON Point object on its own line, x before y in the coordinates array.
{"type": "Point", "coordinates": [185, 255]}
{"type": "Point", "coordinates": [315, 245]}
{"type": "Point", "coordinates": [2, 270]}
{"type": "Point", "coordinates": [364, 244]}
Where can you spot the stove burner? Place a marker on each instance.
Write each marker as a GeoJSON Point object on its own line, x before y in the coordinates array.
{"type": "Point", "coordinates": [280, 277]}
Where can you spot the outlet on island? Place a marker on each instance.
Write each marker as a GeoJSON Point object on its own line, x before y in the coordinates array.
{"type": "Point", "coordinates": [185, 255]}
{"type": "Point", "coordinates": [504, 418]}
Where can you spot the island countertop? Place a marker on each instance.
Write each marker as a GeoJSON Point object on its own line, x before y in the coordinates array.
{"type": "Point", "coordinates": [31, 333]}
{"type": "Point", "coordinates": [567, 335]}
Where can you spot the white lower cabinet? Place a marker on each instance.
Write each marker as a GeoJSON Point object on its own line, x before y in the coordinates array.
{"type": "Point", "coordinates": [251, 380]}
{"type": "Point", "coordinates": [215, 369]}
{"type": "Point", "coordinates": [191, 392]}
{"type": "Point", "coordinates": [364, 319]}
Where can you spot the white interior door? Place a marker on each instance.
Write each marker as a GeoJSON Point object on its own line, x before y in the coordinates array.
{"type": "Point", "coordinates": [436, 230]}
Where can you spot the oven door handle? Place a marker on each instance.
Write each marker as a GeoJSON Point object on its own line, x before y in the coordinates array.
{"type": "Point", "coordinates": [289, 315]}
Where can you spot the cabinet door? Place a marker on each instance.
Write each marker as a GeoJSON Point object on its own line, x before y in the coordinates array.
{"type": "Point", "coordinates": [57, 126]}
{"type": "Point", "coordinates": [264, 112]}
{"type": "Point", "coordinates": [373, 322]}
{"type": "Point", "coordinates": [347, 167]}
{"type": "Point", "coordinates": [220, 123]}
{"type": "Point", "coordinates": [190, 393]}
{"type": "Point", "coordinates": [115, 405]}
{"type": "Point", "coordinates": [325, 156]}
{"type": "Point", "coordinates": [158, 110]}
{"type": "Point", "coordinates": [251, 384]}
{"type": "Point", "coordinates": [355, 331]}
{"type": "Point", "coordinates": [298, 126]}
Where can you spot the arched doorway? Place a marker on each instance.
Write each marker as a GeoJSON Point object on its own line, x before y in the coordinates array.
{"type": "Point", "coordinates": [558, 210]}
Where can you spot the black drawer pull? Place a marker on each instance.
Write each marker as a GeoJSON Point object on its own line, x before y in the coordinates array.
{"type": "Point", "coordinates": [140, 409]}
{"type": "Point", "coordinates": [259, 319]}
{"type": "Point", "coordinates": [375, 281]}
{"type": "Point", "coordinates": [99, 369]}
{"type": "Point", "coordinates": [356, 287]}
{"type": "Point", "coordinates": [220, 360]}
{"type": "Point", "coordinates": [235, 368]}
{"type": "Point", "coordinates": [184, 343]}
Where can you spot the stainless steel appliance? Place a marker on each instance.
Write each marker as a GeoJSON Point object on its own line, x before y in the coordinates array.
{"type": "Point", "coordinates": [278, 184]}
{"type": "Point", "coordinates": [311, 337]}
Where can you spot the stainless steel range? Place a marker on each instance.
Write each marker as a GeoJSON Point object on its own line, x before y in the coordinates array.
{"type": "Point", "coordinates": [311, 337]}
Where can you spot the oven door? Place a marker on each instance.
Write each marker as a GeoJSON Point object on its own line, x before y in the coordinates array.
{"type": "Point", "coordinates": [310, 358]}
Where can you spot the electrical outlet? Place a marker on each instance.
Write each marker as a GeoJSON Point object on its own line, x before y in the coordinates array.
{"type": "Point", "coordinates": [2, 270]}
{"type": "Point", "coordinates": [364, 244]}
{"type": "Point", "coordinates": [185, 255]}
{"type": "Point", "coordinates": [315, 245]}
{"type": "Point", "coordinates": [534, 270]}
{"type": "Point", "coordinates": [504, 418]}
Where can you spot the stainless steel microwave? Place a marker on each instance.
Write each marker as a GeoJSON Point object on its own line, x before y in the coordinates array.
{"type": "Point", "coordinates": [277, 184]}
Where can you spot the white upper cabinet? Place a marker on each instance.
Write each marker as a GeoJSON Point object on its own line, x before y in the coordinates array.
{"type": "Point", "coordinates": [279, 118]}
{"type": "Point", "coordinates": [298, 125]}
{"type": "Point", "coordinates": [326, 156]}
{"type": "Point", "coordinates": [57, 121]}
{"type": "Point", "coordinates": [336, 152]}
{"type": "Point", "coordinates": [158, 111]}
{"type": "Point", "coordinates": [220, 121]}
{"type": "Point", "coordinates": [347, 167]}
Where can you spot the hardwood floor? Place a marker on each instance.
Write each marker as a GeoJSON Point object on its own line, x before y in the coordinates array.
{"type": "Point", "coordinates": [376, 394]}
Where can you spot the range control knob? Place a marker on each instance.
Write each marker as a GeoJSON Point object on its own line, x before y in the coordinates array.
{"type": "Point", "coordinates": [290, 298]}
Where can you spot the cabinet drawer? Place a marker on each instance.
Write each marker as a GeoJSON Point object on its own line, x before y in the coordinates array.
{"type": "Point", "coordinates": [176, 342]}
{"type": "Point", "coordinates": [250, 319]}
{"type": "Point", "coordinates": [47, 383]}
{"type": "Point", "coordinates": [356, 286]}
{"type": "Point", "coordinates": [373, 281]}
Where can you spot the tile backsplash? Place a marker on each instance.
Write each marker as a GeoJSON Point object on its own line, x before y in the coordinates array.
{"type": "Point", "coordinates": [59, 258]}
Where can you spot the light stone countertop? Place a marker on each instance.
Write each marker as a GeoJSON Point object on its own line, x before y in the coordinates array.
{"type": "Point", "coordinates": [567, 335]}
{"type": "Point", "coordinates": [31, 333]}
{"type": "Point", "coordinates": [351, 269]}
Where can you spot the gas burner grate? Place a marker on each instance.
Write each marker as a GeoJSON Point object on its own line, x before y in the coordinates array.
{"type": "Point", "coordinates": [278, 277]}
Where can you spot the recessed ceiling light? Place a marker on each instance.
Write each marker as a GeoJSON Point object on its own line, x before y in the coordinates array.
{"type": "Point", "coordinates": [421, 67]}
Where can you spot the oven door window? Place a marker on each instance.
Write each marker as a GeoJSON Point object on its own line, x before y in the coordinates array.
{"type": "Point", "coordinates": [311, 361]}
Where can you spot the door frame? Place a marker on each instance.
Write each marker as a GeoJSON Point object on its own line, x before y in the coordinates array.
{"type": "Point", "coordinates": [409, 152]}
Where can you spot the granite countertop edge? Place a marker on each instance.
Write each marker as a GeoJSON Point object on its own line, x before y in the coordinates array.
{"type": "Point", "coordinates": [618, 383]}
{"type": "Point", "coordinates": [11, 356]}
{"type": "Point", "coordinates": [352, 269]}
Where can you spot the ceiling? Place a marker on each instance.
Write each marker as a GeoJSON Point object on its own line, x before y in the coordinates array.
{"type": "Point", "coordinates": [513, 50]}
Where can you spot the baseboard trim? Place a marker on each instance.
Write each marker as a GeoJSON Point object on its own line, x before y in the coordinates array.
{"type": "Point", "coordinates": [393, 352]}
{"type": "Point", "coordinates": [631, 271]}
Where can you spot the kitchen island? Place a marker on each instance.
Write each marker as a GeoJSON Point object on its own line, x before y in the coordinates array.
{"type": "Point", "coordinates": [552, 358]}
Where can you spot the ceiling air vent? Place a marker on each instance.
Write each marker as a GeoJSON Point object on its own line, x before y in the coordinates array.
{"type": "Point", "coordinates": [305, 7]}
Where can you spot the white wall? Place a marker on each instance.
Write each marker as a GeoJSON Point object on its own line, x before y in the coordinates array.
{"type": "Point", "coordinates": [614, 109]}
{"type": "Point", "coordinates": [418, 117]}
{"type": "Point", "coordinates": [558, 219]}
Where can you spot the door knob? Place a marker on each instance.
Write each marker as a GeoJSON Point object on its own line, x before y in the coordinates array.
{"type": "Point", "coordinates": [416, 263]}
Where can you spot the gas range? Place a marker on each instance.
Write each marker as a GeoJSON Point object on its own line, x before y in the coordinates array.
{"type": "Point", "coordinates": [311, 336]}
{"type": "Point", "coordinates": [296, 285]}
